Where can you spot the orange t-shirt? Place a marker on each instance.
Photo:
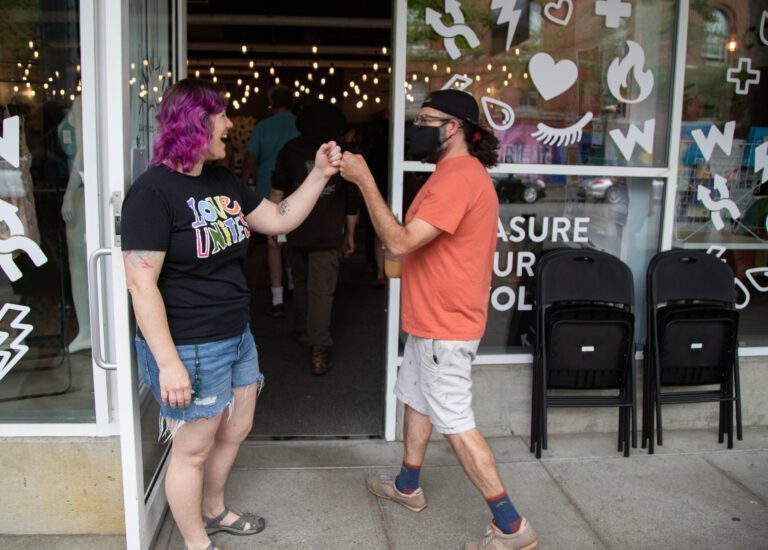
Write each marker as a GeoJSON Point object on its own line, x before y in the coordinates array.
{"type": "Point", "coordinates": [446, 283]}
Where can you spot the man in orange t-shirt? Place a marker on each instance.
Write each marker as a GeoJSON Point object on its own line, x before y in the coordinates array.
{"type": "Point", "coordinates": [447, 244]}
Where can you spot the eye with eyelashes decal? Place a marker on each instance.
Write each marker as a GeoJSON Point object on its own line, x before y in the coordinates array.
{"type": "Point", "coordinates": [561, 136]}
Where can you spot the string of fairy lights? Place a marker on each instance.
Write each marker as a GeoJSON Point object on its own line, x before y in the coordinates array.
{"type": "Point", "coordinates": [366, 85]}
{"type": "Point", "coordinates": [51, 85]}
{"type": "Point", "coordinates": [493, 77]}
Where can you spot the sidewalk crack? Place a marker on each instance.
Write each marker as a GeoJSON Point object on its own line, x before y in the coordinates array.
{"type": "Point", "coordinates": [752, 495]}
{"type": "Point", "coordinates": [575, 504]}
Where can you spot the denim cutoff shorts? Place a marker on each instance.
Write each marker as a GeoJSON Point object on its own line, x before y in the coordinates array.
{"type": "Point", "coordinates": [223, 365]}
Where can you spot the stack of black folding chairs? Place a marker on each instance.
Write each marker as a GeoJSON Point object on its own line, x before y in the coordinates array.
{"type": "Point", "coordinates": [584, 339]}
{"type": "Point", "coordinates": [692, 340]}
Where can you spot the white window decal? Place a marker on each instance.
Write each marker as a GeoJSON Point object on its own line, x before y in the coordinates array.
{"type": "Point", "coordinates": [763, 24]}
{"type": "Point", "coordinates": [742, 86]}
{"type": "Point", "coordinates": [619, 70]}
{"type": "Point", "coordinates": [722, 203]}
{"type": "Point", "coordinates": [13, 351]}
{"type": "Point", "coordinates": [508, 14]}
{"type": "Point", "coordinates": [724, 139]}
{"type": "Point", "coordinates": [552, 12]}
{"type": "Point", "coordinates": [507, 113]}
{"type": "Point", "coordinates": [751, 277]}
{"type": "Point", "coordinates": [16, 242]}
{"type": "Point", "coordinates": [552, 78]}
{"type": "Point", "coordinates": [9, 143]}
{"type": "Point", "coordinates": [458, 82]}
{"type": "Point", "coordinates": [561, 136]}
{"type": "Point", "coordinates": [613, 11]}
{"type": "Point", "coordinates": [761, 161]}
{"type": "Point", "coordinates": [644, 138]}
{"type": "Point", "coordinates": [697, 345]}
{"type": "Point", "coordinates": [449, 33]}
{"type": "Point", "coordinates": [587, 349]}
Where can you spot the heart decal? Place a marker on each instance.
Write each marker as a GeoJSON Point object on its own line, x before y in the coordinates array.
{"type": "Point", "coordinates": [552, 7]}
{"type": "Point", "coordinates": [552, 78]}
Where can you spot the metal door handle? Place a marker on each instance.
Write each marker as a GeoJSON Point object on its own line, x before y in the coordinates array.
{"type": "Point", "coordinates": [93, 307]}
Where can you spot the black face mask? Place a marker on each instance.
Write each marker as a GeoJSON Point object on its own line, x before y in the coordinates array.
{"type": "Point", "coordinates": [424, 141]}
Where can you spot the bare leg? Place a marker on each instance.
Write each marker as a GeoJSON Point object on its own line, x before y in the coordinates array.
{"type": "Point", "coordinates": [232, 431]}
{"type": "Point", "coordinates": [416, 431]}
{"type": "Point", "coordinates": [478, 462]}
{"type": "Point", "coordinates": [192, 444]}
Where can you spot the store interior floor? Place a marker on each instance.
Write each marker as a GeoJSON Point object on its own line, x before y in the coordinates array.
{"type": "Point", "coordinates": [348, 401]}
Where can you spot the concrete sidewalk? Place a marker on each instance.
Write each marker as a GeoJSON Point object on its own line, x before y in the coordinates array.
{"type": "Point", "coordinates": [693, 493]}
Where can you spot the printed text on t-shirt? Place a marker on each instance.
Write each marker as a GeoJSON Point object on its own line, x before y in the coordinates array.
{"type": "Point", "coordinates": [219, 224]}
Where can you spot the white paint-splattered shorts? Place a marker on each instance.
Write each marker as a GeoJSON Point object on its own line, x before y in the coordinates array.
{"type": "Point", "coordinates": [435, 380]}
{"type": "Point", "coordinates": [221, 365]}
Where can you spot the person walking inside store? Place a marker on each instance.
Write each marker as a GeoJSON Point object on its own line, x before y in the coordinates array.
{"type": "Point", "coordinates": [447, 245]}
{"type": "Point", "coordinates": [185, 231]}
{"type": "Point", "coordinates": [329, 230]}
{"type": "Point", "coordinates": [267, 139]}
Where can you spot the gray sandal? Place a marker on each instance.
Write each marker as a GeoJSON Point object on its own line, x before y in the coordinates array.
{"type": "Point", "coordinates": [237, 527]}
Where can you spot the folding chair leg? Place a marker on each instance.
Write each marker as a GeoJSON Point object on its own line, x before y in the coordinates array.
{"type": "Point", "coordinates": [659, 434]}
{"type": "Point", "coordinates": [721, 423]}
{"type": "Point", "coordinates": [729, 425]}
{"type": "Point", "coordinates": [621, 429]}
{"type": "Point", "coordinates": [737, 388]}
{"type": "Point", "coordinates": [627, 435]}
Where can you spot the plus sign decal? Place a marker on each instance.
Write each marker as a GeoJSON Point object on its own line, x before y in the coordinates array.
{"type": "Point", "coordinates": [742, 86]}
{"type": "Point", "coordinates": [613, 11]}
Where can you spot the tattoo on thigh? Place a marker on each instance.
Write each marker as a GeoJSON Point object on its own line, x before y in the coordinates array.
{"type": "Point", "coordinates": [140, 258]}
{"type": "Point", "coordinates": [283, 207]}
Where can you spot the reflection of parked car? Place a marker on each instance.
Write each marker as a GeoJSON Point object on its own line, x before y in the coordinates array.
{"type": "Point", "coordinates": [599, 189]}
{"type": "Point", "coordinates": [513, 188]}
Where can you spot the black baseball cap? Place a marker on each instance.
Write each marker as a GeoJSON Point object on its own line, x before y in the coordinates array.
{"type": "Point", "coordinates": [461, 105]}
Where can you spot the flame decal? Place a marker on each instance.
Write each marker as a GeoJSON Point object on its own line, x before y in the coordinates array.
{"type": "Point", "coordinates": [618, 74]}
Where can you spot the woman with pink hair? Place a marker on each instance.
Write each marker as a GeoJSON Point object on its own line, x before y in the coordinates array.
{"type": "Point", "coordinates": [185, 231]}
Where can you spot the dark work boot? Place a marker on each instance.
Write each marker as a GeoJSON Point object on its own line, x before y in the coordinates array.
{"type": "Point", "coordinates": [321, 360]}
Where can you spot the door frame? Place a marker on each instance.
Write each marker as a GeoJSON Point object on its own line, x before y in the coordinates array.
{"type": "Point", "coordinates": [105, 74]}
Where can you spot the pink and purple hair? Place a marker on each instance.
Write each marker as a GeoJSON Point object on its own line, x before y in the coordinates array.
{"type": "Point", "coordinates": [185, 116]}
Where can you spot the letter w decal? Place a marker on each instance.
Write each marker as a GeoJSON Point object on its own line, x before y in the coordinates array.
{"type": "Point", "coordinates": [635, 136]}
{"type": "Point", "coordinates": [707, 143]}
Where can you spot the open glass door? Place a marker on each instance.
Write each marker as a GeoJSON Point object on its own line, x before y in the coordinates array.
{"type": "Point", "coordinates": [135, 58]}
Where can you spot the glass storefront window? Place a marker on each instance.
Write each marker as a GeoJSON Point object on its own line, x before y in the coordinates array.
{"type": "Point", "coordinates": [621, 216]}
{"type": "Point", "coordinates": [722, 194]}
{"type": "Point", "coordinates": [45, 362]}
{"type": "Point", "coordinates": [569, 85]}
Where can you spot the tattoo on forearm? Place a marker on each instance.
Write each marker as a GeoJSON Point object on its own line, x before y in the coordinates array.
{"type": "Point", "coordinates": [283, 208]}
{"type": "Point", "coordinates": [140, 258]}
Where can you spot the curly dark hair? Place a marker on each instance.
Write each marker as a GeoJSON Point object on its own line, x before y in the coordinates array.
{"type": "Point", "coordinates": [482, 144]}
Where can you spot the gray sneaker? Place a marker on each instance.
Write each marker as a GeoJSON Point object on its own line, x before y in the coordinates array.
{"type": "Point", "coordinates": [524, 539]}
{"type": "Point", "coordinates": [383, 486]}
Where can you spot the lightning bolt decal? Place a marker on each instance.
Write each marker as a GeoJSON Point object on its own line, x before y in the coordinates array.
{"type": "Point", "coordinates": [508, 14]}
{"type": "Point", "coordinates": [7, 358]}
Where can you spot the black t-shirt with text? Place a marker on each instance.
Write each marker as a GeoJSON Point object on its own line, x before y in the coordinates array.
{"type": "Point", "coordinates": [324, 226]}
{"type": "Point", "coordinates": [199, 222]}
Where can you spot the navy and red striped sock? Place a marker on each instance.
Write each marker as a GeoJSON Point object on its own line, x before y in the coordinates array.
{"type": "Point", "coordinates": [505, 516]}
{"type": "Point", "coordinates": [408, 479]}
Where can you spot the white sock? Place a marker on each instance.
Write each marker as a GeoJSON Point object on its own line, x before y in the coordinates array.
{"type": "Point", "coordinates": [277, 295]}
